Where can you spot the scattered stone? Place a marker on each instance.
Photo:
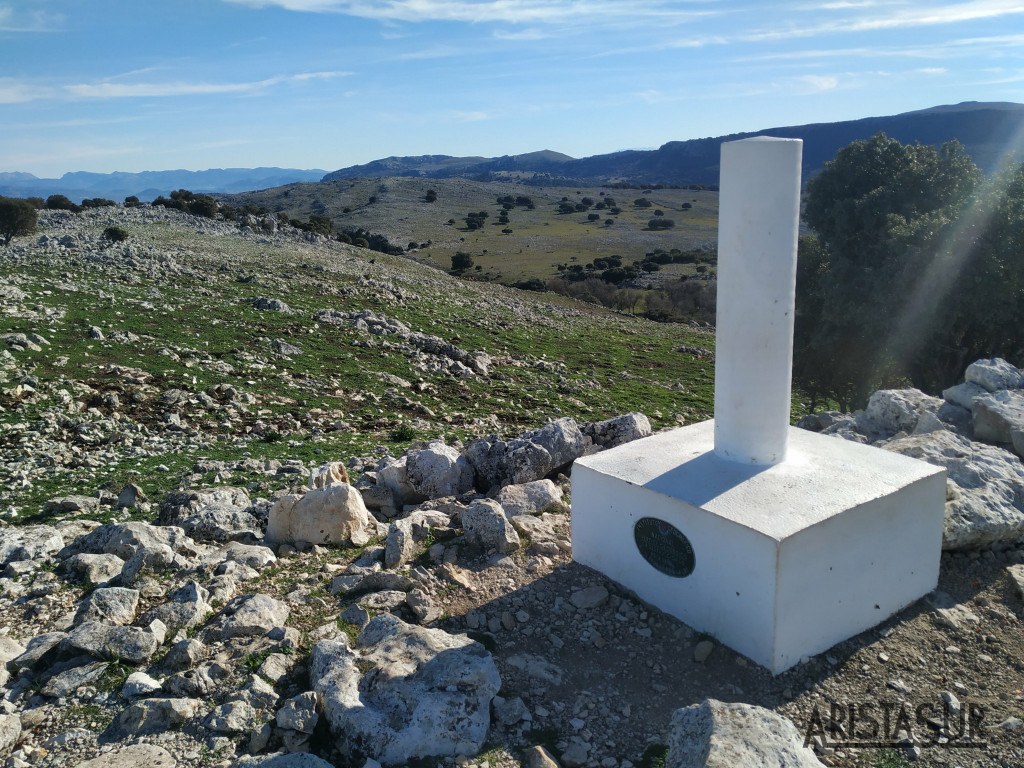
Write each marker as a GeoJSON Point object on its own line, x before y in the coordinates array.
{"type": "Point", "coordinates": [702, 650]}
{"type": "Point", "coordinates": [487, 526]}
{"type": "Point", "coordinates": [133, 756]}
{"type": "Point", "coordinates": [590, 597]}
{"type": "Point", "coordinates": [248, 616]}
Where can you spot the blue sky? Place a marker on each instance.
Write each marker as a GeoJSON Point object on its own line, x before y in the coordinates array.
{"type": "Point", "coordinates": [153, 85]}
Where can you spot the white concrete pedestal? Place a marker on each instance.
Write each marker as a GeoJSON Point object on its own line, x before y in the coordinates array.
{"type": "Point", "coordinates": [787, 559]}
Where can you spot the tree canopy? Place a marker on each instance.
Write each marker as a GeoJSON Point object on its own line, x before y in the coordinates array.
{"type": "Point", "coordinates": [912, 272]}
{"type": "Point", "coordinates": [17, 217]}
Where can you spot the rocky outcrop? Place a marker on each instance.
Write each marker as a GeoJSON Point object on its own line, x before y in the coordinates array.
{"type": "Point", "coordinates": [975, 431]}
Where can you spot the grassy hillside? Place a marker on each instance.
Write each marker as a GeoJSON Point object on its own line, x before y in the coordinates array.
{"type": "Point", "coordinates": [540, 239]}
{"type": "Point", "coordinates": [174, 305]}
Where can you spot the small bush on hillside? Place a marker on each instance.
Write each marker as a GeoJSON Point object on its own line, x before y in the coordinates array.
{"type": "Point", "coordinates": [131, 202]}
{"type": "Point", "coordinates": [115, 234]}
{"type": "Point", "coordinates": [97, 202]}
{"type": "Point", "coordinates": [61, 203]}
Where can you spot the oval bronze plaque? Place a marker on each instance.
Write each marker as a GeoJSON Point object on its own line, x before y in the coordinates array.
{"type": "Point", "coordinates": [664, 546]}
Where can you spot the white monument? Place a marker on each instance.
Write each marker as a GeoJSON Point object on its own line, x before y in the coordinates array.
{"type": "Point", "coordinates": [776, 541]}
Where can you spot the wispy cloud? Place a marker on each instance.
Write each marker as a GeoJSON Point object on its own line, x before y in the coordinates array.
{"type": "Point", "coordinates": [113, 90]}
{"type": "Point", "coordinates": [434, 52]}
{"type": "Point", "coordinates": [469, 117]}
{"type": "Point", "coordinates": [810, 84]}
{"type": "Point", "coordinates": [16, 91]}
{"type": "Point", "coordinates": [502, 11]}
{"type": "Point", "coordinates": [898, 18]}
{"type": "Point", "coordinates": [20, 20]}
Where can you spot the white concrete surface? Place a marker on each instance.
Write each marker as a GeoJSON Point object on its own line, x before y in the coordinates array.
{"type": "Point", "coordinates": [790, 559]}
{"type": "Point", "coordinates": [758, 221]}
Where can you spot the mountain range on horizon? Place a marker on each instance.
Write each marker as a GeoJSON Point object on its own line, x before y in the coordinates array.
{"type": "Point", "coordinates": [988, 131]}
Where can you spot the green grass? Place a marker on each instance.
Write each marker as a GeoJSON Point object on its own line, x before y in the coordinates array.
{"type": "Point", "coordinates": [553, 357]}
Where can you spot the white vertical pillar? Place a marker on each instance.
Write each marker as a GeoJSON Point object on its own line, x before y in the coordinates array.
{"type": "Point", "coordinates": [758, 224]}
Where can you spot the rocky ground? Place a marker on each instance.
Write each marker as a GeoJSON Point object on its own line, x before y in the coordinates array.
{"type": "Point", "coordinates": [202, 567]}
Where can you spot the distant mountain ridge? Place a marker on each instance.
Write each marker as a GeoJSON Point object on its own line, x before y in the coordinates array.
{"type": "Point", "coordinates": [149, 184]}
{"type": "Point", "coordinates": [988, 130]}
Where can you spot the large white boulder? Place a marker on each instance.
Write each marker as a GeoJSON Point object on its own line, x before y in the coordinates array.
{"type": "Point", "coordinates": [714, 734]}
{"type": "Point", "coordinates": [405, 691]}
{"type": "Point", "coordinates": [994, 374]}
{"type": "Point", "coordinates": [332, 514]}
{"type": "Point", "coordinates": [528, 498]}
{"type": "Point", "coordinates": [985, 488]}
{"type": "Point", "coordinates": [428, 472]}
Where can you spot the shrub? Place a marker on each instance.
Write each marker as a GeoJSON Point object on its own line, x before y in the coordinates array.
{"type": "Point", "coordinates": [97, 202]}
{"type": "Point", "coordinates": [461, 261]}
{"type": "Point", "coordinates": [131, 202]}
{"type": "Point", "coordinates": [17, 217]}
{"type": "Point", "coordinates": [61, 203]}
{"type": "Point", "coordinates": [202, 205]}
{"type": "Point", "coordinates": [115, 234]}
{"type": "Point", "coordinates": [431, 196]}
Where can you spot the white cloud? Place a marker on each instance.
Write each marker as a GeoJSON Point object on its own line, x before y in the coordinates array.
{"type": "Point", "coordinates": [810, 84]}
{"type": "Point", "coordinates": [28, 21]}
{"type": "Point", "coordinates": [112, 90]}
{"type": "Point", "coordinates": [479, 11]}
{"type": "Point", "coordinates": [900, 18]}
{"type": "Point", "coordinates": [469, 117]}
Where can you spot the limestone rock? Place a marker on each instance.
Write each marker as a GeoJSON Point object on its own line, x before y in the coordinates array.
{"type": "Point", "coordinates": [299, 713]}
{"type": "Point", "coordinates": [423, 691]}
{"type": "Point", "coordinates": [333, 514]}
{"type": "Point", "coordinates": [963, 394]}
{"type": "Point", "coordinates": [987, 483]}
{"type": "Point", "coordinates": [231, 717]}
{"type": "Point", "coordinates": [93, 569]}
{"type": "Point", "coordinates": [112, 605]}
{"type": "Point", "coordinates": [528, 498]}
{"type": "Point", "coordinates": [487, 526]}
{"type": "Point", "coordinates": [138, 685]}
{"type": "Point", "coordinates": [531, 457]}
{"type": "Point", "coordinates": [133, 756]}
{"type": "Point", "coordinates": [249, 616]}
{"type": "Point", "coordinates": [328, 474]}
{"type": "Point", "coordinates": [538, 757]}
{"type": "Point", "coordinates": [292, 760]}
{"type": "Point", "coordinates": [619, 430]}
{"type": "Point", "coordinates": [105, 641]}
{"type": "Point", "coordinates": [398, 547]}
{"type": "Point", "coordinates": [713, 734]}
{"type": "Point", "coordinates": [155, 716]}
{"type": "Point", "coordinates": [10, 733]}
{"type": "Point", "coordinates": [427, 472]}
{"type": "Point", "coordinates": [127, 539]}
{"type": "Point", "coordinates": [210, 514]}
{"type": "Point", "coordinates": [28, 543]}
{"type": "Point", "coordinates": [997, 415]}
{"type": "Point", "coordinates": [994, 374]}
{"type": "Point", "coordinates": [898, 410]}
{"type": "Point", "coordinates": [1017, 575]}
{"type": "Point", "coordinates": [187, 608]}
